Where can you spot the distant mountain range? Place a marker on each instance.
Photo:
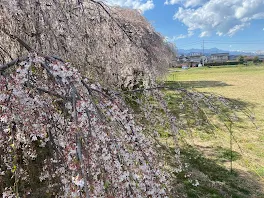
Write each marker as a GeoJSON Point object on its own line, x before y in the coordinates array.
{"type": "Point", "coordinates": [216, 50]}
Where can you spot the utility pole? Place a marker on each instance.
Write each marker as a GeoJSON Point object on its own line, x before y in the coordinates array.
{"type": "Point", "coordinates": [203, 57]}
{"type": "Point", "coordinates": [203, 47]}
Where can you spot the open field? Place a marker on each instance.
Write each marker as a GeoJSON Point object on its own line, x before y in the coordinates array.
{"type": "Point", "coordinates": [244, 84]}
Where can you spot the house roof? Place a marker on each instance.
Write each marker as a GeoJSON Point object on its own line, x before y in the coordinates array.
{"type": "Point", "coordinates": [220, 54]}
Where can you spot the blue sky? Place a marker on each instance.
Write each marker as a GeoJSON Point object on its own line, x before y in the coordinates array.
{"type": "Point", "coordinates": [225, 24]}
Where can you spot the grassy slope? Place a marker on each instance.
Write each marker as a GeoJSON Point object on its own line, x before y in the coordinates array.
{"type": "Point", "coordinates": [243, 83]}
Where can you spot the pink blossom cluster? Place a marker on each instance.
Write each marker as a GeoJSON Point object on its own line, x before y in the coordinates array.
{"type": "Point", "coordinates": [95, 147]}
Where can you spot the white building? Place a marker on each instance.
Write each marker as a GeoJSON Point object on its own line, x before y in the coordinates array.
{"type": "Point", "coordinates": [219, 57]}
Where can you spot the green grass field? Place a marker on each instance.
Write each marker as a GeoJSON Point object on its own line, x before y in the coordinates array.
{"type": "Point", "coordinates": [244, 84]}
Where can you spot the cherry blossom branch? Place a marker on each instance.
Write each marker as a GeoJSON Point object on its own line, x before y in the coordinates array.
{"type": "Point", "coordinates": [74, 96]}
{"type": "Point", "coordinates": [92, 99]}
{"type": "Point", "coordinates": [54, 94]}
{"type": "Point", "coordinates": [116, 22]}
{"type": "Point", "coordinates": [12, 63]}
{"type": "Point", "coordinates": [147, 89]}
{"type": "Point", "coordinates": [19, 40]}
{"type": "Point", "coordinates": [6, 52]}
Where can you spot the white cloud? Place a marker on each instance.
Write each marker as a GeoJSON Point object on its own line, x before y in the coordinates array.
{"type": "Point", "coordinates": [181, 36]}
{"type": "Point", "coordinates": [186, 3]}
{"type": "Point", "coordinates": [142, 5]}
{"type": "Point", "coordinates": [222, 17]}
{"type": "Point", "coordinates": [204, 34]}
{"type": "Point", "coordinates": [194, 3]}
{"type": "Point", "coordinates": [236, 28]}
{"type": "Point", "coordinates": [172, 2]}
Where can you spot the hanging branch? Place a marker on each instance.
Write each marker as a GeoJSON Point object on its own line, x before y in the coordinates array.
{"type": "Point", "coordinates": [6, 52]}
{"type": "Point", "coordinates": [12, 63]}
{"type": "Point", "coordinates": [61, 28]}
{"type": "Point", "coordinates": [19, 40]}
{"type": "Point", "coordinates": [78, 141]}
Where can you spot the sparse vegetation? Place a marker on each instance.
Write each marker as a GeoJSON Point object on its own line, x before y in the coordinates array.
{"type": "Point", "coordinates": [210, 154]}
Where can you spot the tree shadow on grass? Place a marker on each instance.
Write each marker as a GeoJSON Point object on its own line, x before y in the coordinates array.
{"type": "Point", "coordinates": [204, 177]}
{"type": "Point", "coordinates": [188, 97]}
{"type": "Point", "coordinates": [226, 154]}
{"type": "Point", "coordinates": [203, 111]}
{"type": "Point", "coordinates": [195, 84]}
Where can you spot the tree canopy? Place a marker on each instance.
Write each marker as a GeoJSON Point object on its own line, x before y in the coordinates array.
{"type": "Point", "coordinates": [76, 138]}
{"type": "Point", "coordinates": [109, 44]}
{"type": "Point", "coordinates": [64, 132]}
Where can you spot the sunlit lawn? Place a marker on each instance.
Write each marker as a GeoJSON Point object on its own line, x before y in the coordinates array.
{"type": "Point", "coordinates": [243, 83]}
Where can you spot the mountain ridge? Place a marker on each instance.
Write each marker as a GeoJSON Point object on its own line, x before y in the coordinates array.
{"type": "Point", "coordinates": [215, 50]}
